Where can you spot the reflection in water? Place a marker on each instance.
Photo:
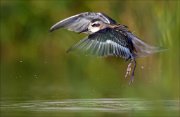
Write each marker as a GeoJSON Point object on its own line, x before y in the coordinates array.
{"type": "Point", "coordinates": [97, 105]}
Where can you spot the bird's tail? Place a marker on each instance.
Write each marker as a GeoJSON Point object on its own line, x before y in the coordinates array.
{"type": "Point", "coordinates": [142, 49]}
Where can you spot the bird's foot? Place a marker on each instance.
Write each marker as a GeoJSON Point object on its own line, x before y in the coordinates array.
{"type": "Point", "coordinates": [131, 79]}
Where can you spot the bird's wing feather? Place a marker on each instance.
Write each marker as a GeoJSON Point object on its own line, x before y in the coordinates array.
{"type": "Point", "coordinates": [106, 42]}
{"type": "Point", "coordinates": [80, 22]}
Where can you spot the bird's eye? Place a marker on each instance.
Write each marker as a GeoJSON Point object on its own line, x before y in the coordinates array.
{"type": "Point", "coordinates": [95, 25]}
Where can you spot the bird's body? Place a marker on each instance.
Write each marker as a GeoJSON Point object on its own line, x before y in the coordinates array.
{"type": "Point", "coordinates": [106, 38]}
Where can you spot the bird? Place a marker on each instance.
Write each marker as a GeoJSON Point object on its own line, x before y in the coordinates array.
{"type": "Point", "coordinates": [105, 37]}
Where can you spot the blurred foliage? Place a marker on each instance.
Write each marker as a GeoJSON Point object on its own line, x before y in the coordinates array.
{"type": "Point", "coordinates": [35, 65]}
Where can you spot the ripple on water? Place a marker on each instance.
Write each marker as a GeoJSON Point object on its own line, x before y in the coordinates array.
{"type": "Point", "coordinates": [99, 105]}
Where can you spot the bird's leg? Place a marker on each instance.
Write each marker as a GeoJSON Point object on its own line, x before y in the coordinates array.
{"type": "Point", "coordinates": [128, 69]}
{"type": "Point", "coordinates": [132, 74]}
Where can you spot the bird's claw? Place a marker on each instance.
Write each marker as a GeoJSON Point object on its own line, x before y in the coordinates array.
{"type": "Point", "coordinates": [131, 79]}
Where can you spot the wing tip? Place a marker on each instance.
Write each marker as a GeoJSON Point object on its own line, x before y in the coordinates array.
{"type": "Point", "coordinates": [51, 29]}
{"type": "Point", "coordinates": [54, 27]}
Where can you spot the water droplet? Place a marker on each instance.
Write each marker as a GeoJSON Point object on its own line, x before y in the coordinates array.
{"type": "Point", "coordinates": [35, 76]}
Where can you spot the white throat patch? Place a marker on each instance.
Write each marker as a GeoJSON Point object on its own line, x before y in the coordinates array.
{"type": "Point", "coordinates": [94, 29]}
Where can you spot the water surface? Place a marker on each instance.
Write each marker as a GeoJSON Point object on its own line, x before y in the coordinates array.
{"type": "Point", "coordinates": [88, 107]}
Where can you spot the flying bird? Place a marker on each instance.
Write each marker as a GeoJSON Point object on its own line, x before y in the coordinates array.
{"type": "Point", "coordinates": [106, 38]}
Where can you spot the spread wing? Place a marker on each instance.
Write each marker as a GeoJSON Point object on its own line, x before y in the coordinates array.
{"type": "Point", "coordinates": [80, 22]}
{"type": "Point", "coordinates": [106, 42]}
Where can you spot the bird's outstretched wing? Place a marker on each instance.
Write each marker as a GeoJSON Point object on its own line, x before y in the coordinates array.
{"type": "Point", "coordinates": [106, 42]}
{"type": "Point", "coordinates": [80, 22]}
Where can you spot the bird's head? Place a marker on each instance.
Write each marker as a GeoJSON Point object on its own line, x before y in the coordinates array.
{"type": "Point", "coordinates": [95, 26]}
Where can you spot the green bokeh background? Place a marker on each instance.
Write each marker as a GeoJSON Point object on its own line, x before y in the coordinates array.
{"type": "Point", "coordinates": [35, 65]}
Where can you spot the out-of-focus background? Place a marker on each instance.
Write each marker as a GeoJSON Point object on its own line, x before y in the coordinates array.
{"type": "Point", "coordinates": [34, 63]}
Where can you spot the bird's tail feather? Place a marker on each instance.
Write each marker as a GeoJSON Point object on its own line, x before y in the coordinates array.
{"type": "Point", "coordinates": [142, 49]}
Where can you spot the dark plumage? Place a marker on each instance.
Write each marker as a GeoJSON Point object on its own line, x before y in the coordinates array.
{"type": "Point", "coordinates": [106, 38]}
